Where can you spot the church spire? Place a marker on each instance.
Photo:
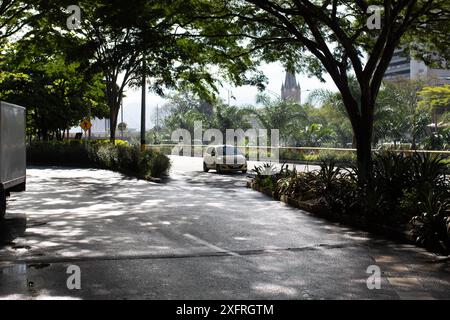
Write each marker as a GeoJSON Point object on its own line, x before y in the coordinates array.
{"type": "Point", "coordinates": [290, 89]}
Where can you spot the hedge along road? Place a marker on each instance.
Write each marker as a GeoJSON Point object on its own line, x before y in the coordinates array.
{"type": "Point", "coordinates": [198, 236]}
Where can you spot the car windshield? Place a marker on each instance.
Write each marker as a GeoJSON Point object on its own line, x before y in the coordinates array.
{"type": "Point", "coordinates": [229, 151]}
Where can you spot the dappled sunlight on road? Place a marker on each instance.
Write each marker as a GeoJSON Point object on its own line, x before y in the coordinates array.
{"type": "Point", "coordinates": [194, 230]}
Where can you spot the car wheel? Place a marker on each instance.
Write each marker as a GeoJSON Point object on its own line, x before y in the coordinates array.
{"type": "Point", "coordinates": [205, 167]}
{"type": "Point", "coordinates": [218, 170]}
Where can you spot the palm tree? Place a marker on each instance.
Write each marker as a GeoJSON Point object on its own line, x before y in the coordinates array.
{"type": "Point", "coordinates": [332, 115]}
{"type": "Point", "coordinates": [285, 115]}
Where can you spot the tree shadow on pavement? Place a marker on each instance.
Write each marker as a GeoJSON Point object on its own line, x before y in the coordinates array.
{"type": "Point", "coordinates": [12, 228]}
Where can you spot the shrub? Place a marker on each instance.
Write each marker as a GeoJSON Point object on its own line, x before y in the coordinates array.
{"type": "Point", "coordinates": [54, 153]}
{"type": "Point", "coordinates": [344, 157]}
{"type": "Point", "coordinates": [266, 175]}
{"type": "Point", "coordinates": [431, 228]}
{"type": "Point", "coordinates": [159, 164]}
{"type": "Point", "coordinates": [291, 154]}
{"type": "Point", "coordinates": [118, 142]}
{"type": "Point", "coordinates": [120, 157]}
{"type": "Point", "coordinates": [106, 156]}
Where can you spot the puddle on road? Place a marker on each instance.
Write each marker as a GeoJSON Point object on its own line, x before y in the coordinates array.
{"type": "Point", "coordinates": [21, 268]}
{"type": "Point", "coordinates": [14, 270]}
{"type": "Point", "coordinates": [17, 278]}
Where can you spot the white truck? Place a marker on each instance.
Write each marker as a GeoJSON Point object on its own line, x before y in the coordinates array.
{"type": "Point", "coordinates": [12, 152]}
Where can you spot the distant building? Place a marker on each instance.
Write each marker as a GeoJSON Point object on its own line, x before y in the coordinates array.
{"type": "Point", "coordinates": [290, 89]}
{"type": "Point", "coordinates": [403, 66]}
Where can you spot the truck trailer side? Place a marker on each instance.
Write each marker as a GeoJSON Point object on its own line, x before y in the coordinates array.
{"type": "Point", "coordinates": [12, 151]}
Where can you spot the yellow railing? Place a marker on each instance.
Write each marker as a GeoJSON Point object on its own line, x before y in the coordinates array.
{"type": "Point", "coordinates": [299, 149]}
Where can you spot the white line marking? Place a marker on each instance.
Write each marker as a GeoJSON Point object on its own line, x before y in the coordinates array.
{"type": "Point", "coordinates": [210, 245]}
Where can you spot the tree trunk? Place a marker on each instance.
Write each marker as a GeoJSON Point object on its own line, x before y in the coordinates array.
{"type": "Point", "coordinates": [112, 126]}
{"type": "Point", "coordinates": [364, 153]}
{"type": "Point", "coordinates": [113, 116]}
{"type": "Point", "coordinates": [362, 125]}
{"type": "Point", "coordinates": [114, 98]}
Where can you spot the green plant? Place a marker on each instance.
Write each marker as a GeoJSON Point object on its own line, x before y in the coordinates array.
{"type": "Point", "coordinates": [404, 191]}
{"type": "Point", "coordinates": [301, 186]}
{"type": "Point", "coordinates": [118, 142]}
{"type": "Point", "coordinates": [328, 175]}
{"type": "Point", "coordinates": [121, 157]}
{"type": "Point", "coordinates": [266, 169]}
{"type": "Point", "coordinates": [428, 169]}
{"type": "Point", "coordinates": [337, 187]}
{"type": "Point", "coordinates": [158, 164]}
{"type": "Point", "coordinates": [344, 157]}
{"type": "Point", "coordinates": [431, 228]}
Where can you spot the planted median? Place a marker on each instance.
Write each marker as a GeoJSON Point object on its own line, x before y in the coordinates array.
{"type": "Point", "coordinates": [408, 196]}
{"type": "Point", "coordinates": [120, 157]}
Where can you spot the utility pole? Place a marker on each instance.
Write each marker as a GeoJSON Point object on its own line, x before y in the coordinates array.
{"type": "Point", "coordinates": [121, 116]}
{"type": "Point", "coordinates": [157, 123]}
{"type": "Point", "coordinates": [90, 115]}
{"type": "Point", "coordinates": [157, 115]}
{"type": "Point", "coordinates": [143, 106]}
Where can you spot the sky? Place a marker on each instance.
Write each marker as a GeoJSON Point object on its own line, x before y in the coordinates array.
{"type": "Point", "coordinates": [244, 95]}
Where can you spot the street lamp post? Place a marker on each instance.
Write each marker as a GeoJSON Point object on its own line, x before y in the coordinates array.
{"type": "Point", "coordinates": [143, 107]}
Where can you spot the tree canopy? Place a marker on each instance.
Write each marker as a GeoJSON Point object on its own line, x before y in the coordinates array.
{"type": "Point", "coordinates": [57, 95]}
{"type": "Point", "coordinates": [331, 36]}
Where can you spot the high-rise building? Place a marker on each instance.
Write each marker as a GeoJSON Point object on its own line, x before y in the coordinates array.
{"type": "Point", "coordinates": [290, 89]}
{"type": "Point", "coordinates": [400, 66]}
{"type": "Point", "coordinates": [403, 66]}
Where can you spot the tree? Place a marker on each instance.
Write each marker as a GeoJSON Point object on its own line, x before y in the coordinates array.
{"type": "Point", "coordinates": [14, 16]}
{"type": "Point", "coordinates": [331, 36]}
{"type": "Point", "coordinates": [315, 135]}
{"type": "Point", "coordinates": [397, 116]}
{"type": "Point", "coordinates": [435, 97]}
{"type": "Point", "coordinates": [331, 114]}
{"type": "Point", "coordinates": [119, 35]}
{"type": "Point", "coordinates": [184, 109]}
{"type": "Point", "coordinates": [285, 115]}
{"type": "Point", "coordinates": [430, 42]}
{"type": "Point", "coordinates": [435, 101]}
{"type": "Point", "coordinates": [56, 94]}
{"type": "Point", "coordinates": [229, 117]}
{"type": "Point", "coordinates": [109, 39]}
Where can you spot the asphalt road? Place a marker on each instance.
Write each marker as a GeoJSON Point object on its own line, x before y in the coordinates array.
{"type": "Point", "coordinates": [197, 236]}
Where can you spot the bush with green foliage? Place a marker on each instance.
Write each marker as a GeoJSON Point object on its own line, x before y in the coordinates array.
{"type": "Point", "coordinates": [121, 157]}
{"type": "Point", "coordinates": [343, 157]}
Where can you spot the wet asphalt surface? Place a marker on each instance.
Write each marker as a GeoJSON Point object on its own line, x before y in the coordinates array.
{"type": "Point", "coordinates": [196, 236]}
